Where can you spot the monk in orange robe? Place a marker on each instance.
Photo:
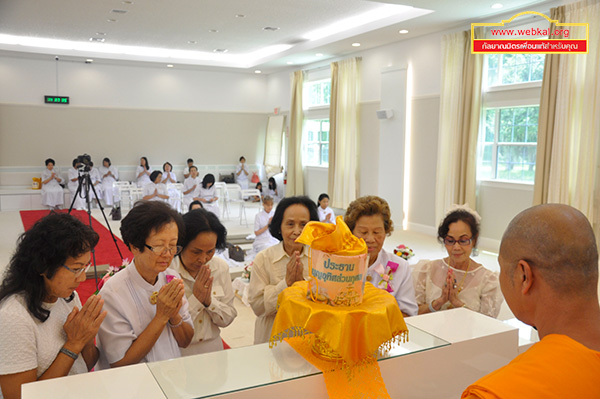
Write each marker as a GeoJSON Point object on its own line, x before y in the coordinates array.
{"type": "Point", "coordinates": [549, 277]}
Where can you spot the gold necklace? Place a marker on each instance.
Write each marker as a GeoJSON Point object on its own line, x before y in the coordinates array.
{"type": "Point", "coordinates": [460, 288]}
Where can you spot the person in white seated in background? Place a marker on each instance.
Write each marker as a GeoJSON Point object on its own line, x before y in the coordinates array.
{"type": "Point", "coordinates": [45, 332]}
{"type": "Point", "coordinates": [73, 183]}
{"type": "Point", "coordinates": [326, 214]}
{"type": "Point", "coordinates": [206, 279]}
{"type": "Point", "coordinates": [168, 179]}
{"type": "Point", "coordinates": [53, 195]}
{"type": "Point", "coordinates": [186, 170]}
{"type": "Point", "coordinates": [96, 181]}
{"type": "Point", "coordinates": [241, 174]}
{"type": "Point", "coordinates": [109, 174]}
{"type": "Point", "coordinates": [370, 218]}
{"type": "Point", "coordinates": [156, 191]}
{"type": "Point", "coordinates": [142, 173]}
{"type": "Point", "coordinates": [207, 194]}
{"type": "Point", "coordinates": [191, 187]}
{"type": "Point", "coordinates": [457, 281]}
{"type": "Point", "coordinates": [264, 239]}
{"type": "Point", "coordinates": [272, 190]}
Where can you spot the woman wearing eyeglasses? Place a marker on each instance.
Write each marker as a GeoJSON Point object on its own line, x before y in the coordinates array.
{"type": "Point", "coordinates": [457, 280]}
{"type": "Point", "coordinates": [148, 318]}
{"type": "Point", "coordinates": [45, 332]}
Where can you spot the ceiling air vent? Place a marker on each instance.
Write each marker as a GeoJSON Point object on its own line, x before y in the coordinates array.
{"type": "Point", "coordinates": [119, 11]}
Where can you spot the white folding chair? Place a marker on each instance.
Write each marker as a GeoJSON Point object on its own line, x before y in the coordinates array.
{"type": "Point", "coordinates": [221, 192]}
{"type": "Point", "coordinates": [233, 194]}
{"type": "Point", "coordinates": [136, 193]}
{"type": "Point", "coordinates": [124, 189]}
{"type": "Point", "coordinates": [247, 196]}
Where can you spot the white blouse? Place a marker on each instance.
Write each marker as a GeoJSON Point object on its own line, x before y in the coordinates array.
{"type": "Point", "coordinates": [208, 321]}
{"type": "Point", "coordinates": [323, 214]}
{"type": "Point", "coordinates": [160, 188]}
{"type": "Point", "coordinates": [127, 301]}
{"type": "Point", "coordinates": [402, 284]}
{"type": "Point", "coordinates": [26, 343]}
{"type": "Point", "coordinates": [480, 286]}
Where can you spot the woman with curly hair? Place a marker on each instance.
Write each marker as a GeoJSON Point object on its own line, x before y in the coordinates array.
{"type": "Point", "coordinates": [370, 218]}
{"type": "Point", "coordinates": [46, 333]}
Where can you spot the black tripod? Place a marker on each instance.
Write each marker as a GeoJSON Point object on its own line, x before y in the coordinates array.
{"type": "Point", "coordinates": [84, 183]}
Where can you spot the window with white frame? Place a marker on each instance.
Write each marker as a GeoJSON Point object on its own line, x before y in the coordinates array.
{"type": "Point", "coordinates": [508, 133]}
{"type": "Point", "coordinates": [315, 132]}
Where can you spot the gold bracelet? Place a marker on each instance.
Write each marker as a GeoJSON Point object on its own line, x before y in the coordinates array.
{"type": "Point", "coordinates": [176, 325]}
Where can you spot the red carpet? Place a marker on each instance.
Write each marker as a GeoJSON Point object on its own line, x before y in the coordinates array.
{"type": "Point", "coordinates": [106, 252]}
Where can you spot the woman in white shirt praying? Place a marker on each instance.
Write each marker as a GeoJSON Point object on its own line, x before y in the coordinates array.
{"type": "Point", "coordinates": [53, 194]}
{"type": "Point", "coordinates": [241, 174]}
{"type": "Point", "coordinates": [206, 279]}
{"type": "Point", "coordinates": [142, 173]}
{"type": "Point", "coordinates": [156, 191]}
{"type": "Point", "coordinates": [109, 174]}
{"type": "Point", "coordinates": [326, 214]}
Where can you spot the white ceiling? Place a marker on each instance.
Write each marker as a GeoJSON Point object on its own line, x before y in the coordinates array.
{"type": "Point", "coordinates": [181, 32]}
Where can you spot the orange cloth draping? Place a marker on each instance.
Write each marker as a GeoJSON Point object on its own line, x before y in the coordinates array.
{"type": "Point", "coordinates": [353, 335]}
{"type": "Point", "coordinates": [556, 367]}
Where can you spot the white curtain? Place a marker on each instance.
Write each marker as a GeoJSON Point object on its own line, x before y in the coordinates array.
{"type": "Point", "coordinates": [575, 159]}
{"type": "Point", "coordinates": [295, 178]}
{"type": "Point", "coordinates": [343, 132]}
{"type": "Point", "coordinates": [460, 110]}
{"type": "Point", "coordinates": [273, 143]}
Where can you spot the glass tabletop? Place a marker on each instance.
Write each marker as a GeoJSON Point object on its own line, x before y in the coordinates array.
{"type": "Point", "coordinates": [218, 373]}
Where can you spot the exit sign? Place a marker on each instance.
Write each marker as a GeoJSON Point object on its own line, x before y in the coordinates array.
{"type": "Point", "coordinates": [56, 100]}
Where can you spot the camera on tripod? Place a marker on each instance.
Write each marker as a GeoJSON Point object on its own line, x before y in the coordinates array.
{"type": "Point", "coordinates": [84, 163]}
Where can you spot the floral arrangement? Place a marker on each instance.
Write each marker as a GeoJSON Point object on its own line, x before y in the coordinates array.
{"type": "Point", "coordinates": [111, 272]}
{"type": "Point", "coordinates": [387, 276]}
{"type": "Point", "coordinates": [246, 272]}
{"type": "Point", "coordinates": [404, 252]}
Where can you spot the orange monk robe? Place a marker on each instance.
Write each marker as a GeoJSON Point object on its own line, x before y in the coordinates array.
{"type": "Point", "coordinates": [556, 367]}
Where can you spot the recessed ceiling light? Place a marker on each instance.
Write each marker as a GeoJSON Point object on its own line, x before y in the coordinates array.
{"type": "Point", "coordinates": [169, 65]}
{"type": "Point", "coordinates": [403, 32]}
{"type": "Point", "coordinates": [100, 34]}
{"type": "Point", "coordinates": [128, 2]}
{"type": "Point", "coordinates": [220, 50]}
{"type": "Point", "coordinates": [89, 61]}
{"type": "Point", "coordinates": [497, 5]}
{"type": "Point", "coordinates": [289, 63]}
{"type": "Point", "coordinates": [271, 28]}
{"type": "Point", "coordinates": [111, 20]}
{"type": "Point", "coordinates": [355, 44]}
{"type": "Point", "coordinates": [258, 71]}
{"type": "Point", "coordinates": [119, 11]}
{"type": "Point", "coordinates": [319, 54]}
{"type": "Point", "coordinates": [97, 39]}
{"type": "Point", "coordinates": [240, 16]}
{"type": "Point", "coordinates": [192, 42]}
{"type": "Point", "coordinates": [213, 30]}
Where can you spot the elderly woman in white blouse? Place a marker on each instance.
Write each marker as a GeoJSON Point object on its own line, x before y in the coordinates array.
{"type": "Point", "coordinates": [457, 281]}
{"type": "Point", "coordinates": [207, 281]}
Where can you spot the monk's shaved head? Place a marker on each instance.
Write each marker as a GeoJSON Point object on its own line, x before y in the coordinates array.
{"type": "Point", "coordinates": [558, 240]}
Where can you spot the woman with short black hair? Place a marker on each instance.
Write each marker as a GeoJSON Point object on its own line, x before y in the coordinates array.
{"type": "Point", "coordinates": [207, 194]}
{"type": "Point", "coordinates": [109, 174]}
{"type": "Point", "coordinates": [281, 265]}
{"type": "Point", "coordinates": [148, 318]}
{"type": "Point", "coordinates": [206, 278]}
{"type": "Point", "coordinates": [45, 332]}
{"type": "Point", "coordinates": [155, 190]}
{"type": "Point", "coordinates": [53, 194]}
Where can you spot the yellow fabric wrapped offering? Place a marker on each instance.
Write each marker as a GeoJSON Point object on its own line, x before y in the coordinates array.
{"type": "Point", "coordinates": [337, 263]}
{"type": "Point", "coordinates": [334, 239]}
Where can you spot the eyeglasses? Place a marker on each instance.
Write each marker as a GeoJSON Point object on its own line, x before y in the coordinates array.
{"type": "Point", "coordinates": [77, 272]}
{"type": "Point", "coordinates": [463, 242]}
{"type": "Point", "coordinates": [176, 250]}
